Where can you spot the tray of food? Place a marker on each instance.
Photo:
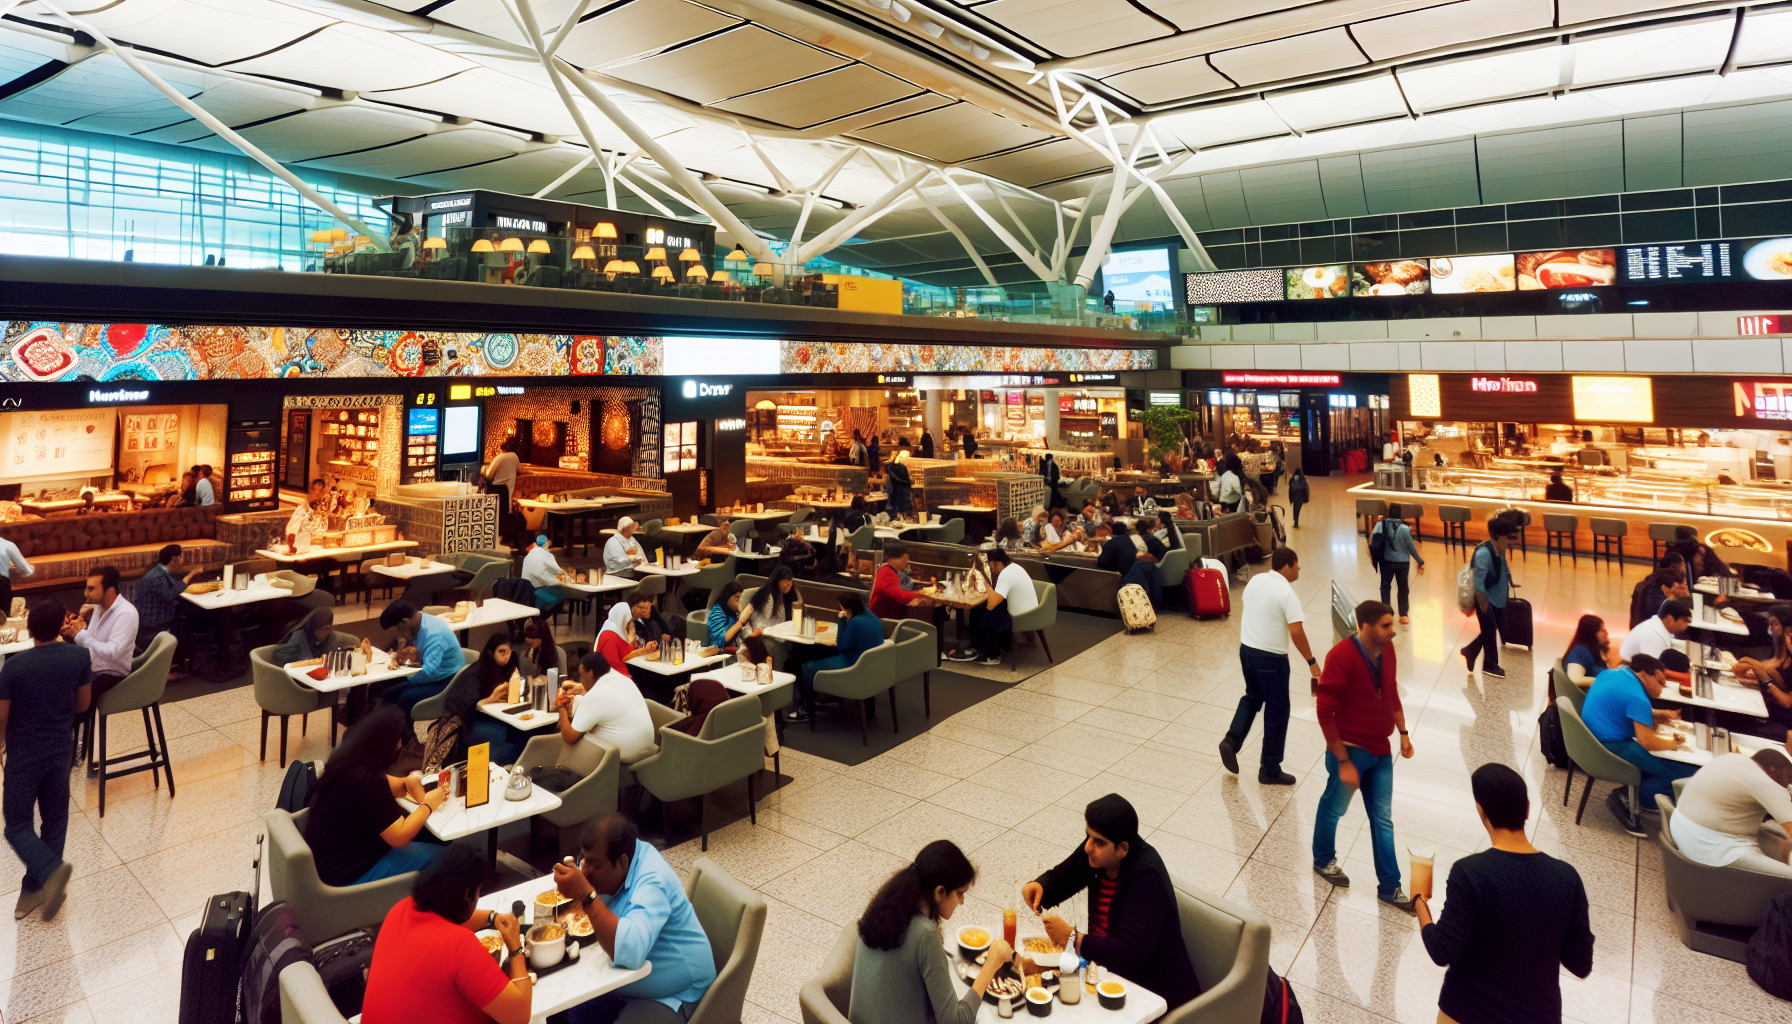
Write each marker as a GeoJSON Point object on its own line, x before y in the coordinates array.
{"type": "Point", "coordinates": [1039, 948]}
{"type": "Point", "coordinates": [1007, 982]}
{"type": "Point", "coordinates": [205, 588]}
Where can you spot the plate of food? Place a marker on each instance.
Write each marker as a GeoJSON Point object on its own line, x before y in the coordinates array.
{"type": "Point", "coordinates": [1730, 615]}
{"type": "Point", "coordinates": [307, 663]}
{"type": "Point", "coordinates": [205, 588]}
{"type": "Point", "coordinates": [494, 944]}
{"type": "Point", "coordinates": [1008, 983]}
{"type": "Point", "coordinates": [1733, 537]}
{"type": "Point", "coordinates": [1039, 947]}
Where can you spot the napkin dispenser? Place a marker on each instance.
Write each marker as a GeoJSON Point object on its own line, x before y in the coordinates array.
{"type": "Point", "coordinates": [395, 559]}
{"type": "Point", "coordinates": [518, 787]}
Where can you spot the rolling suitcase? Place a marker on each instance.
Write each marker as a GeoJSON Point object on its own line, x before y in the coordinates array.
{"type": "Point", "coordinates": [1136, 612]}
{"type": "Point", "coordinates": [212, 968]}
{"type": "Point", "coordinates": [1517, 631]}
{"type": "Point", "coordinates": [1208, 595]}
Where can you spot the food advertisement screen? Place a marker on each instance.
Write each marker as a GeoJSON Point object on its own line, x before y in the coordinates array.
{"type": "Point", "coordinates": [1566, 268]}
{"type": "Point", "coordinates": [1753, 259]}
{"type": "Point", "coordinates": [1614, 400]}
{"type": "Point", "coordinates": [1324, 282]}
{"type": "Point", "coordinates": [1139, 276]}
{"type": "Point", "coordinates": [1390, 277]}
{"type": "Point", "coordinates": [1456, 275]}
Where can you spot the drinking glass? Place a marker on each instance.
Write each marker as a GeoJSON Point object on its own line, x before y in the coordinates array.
{"type": "Point", "coordinates": [1422, 861]}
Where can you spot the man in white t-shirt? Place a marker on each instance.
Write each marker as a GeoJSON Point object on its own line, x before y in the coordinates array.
{"type": "Point", "coordinates": [1655, 637]}
{"type": "Point", "coordinates": [1271, 618]}
{"type": "Point", "coordinates": [606, 707]}
{"type": "Point", "coordinates": [1718, 820]}
{"type": "Point", "coordinates": [622, 552]}
{"type": "Point", "coordinates": [993, 622]}
{"type": "Point", "coordinates": [543, 572]}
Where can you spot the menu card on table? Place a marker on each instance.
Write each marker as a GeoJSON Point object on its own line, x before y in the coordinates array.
{"type": "Point", "coordinates": [479, 774]}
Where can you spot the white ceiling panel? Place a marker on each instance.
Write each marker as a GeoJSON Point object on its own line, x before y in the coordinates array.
{"type": "Point", "coordinates": [490, 18]}
{"type": "Point", "coordinates": [1450, 24]}
{"type": "Point", "coordinates": [1193, 14]}
{"type": "Point", "coordinates": [208, 31]}
{"type": "Point", "coordinates": [1071, 28]}
{"type": "Point", "coordinates": [488, 95]}
{"type": "Point", "coordinates": [952, 134]}
{"type": "Point", "coordinates": [1223, 123]}
{"type": "Point", "coordinates": [744, 60]}
{"type": "Point", "coordinates": [632, 30]}
{"type": "Point", "coordinates": [1574, 12]}
{"type": "Point", "coordinates": [1179, 79]}
{"type": "Point", "coordinates": [822, 98]}
{"type": "Point", "coordinates": [1669, 50]}
{"type": "Point", "coordinates": [334, 130]}
{"type": "Point", "coordinates": [879, 115]}
{"type": "Point", "coordinates": [1327, 106]}
{"type": "Point", "coordinates": [357, 58]}
{"type": "Point", "coordinates": [234, 103]}
{"type": "Point", "coordinates": [1063, 158]}
{"type": "Point", "coordinates": [101, 94]}
{"type": "Point", "coordinates": [20, 53]}
{"type": "Point", "coordinates": [1480, 79]}
{"type": "Point", "coordinates": [1766, 38]}
{"type": "Point", "coordinates": [456, 147]}
{"type": "Point", "coordinates": [1307, 54]}
{"type": "Point", "coordinates": [523, 174]}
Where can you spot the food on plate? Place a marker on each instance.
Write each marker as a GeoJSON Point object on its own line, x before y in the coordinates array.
{"type": "Point", "coordinates": [975, 938]}
{"type": "Point", "coordinates": [1006, 986]}
{"type": "Point", "coordinates": [1735, 538]}
{"type": "Point", "coordinates": [1039, 945]}
{"type": "Point", "coordinates": [492, 942]}
{"type": "Point", "coordinates": [1731, 615]}
{"type": "Point", "coordinates": [1326, 282]}
{"type": "Point", "coordinates": [307, 663]}
{"type": "Point", "coordinates": [578, 925]}
{"type": "Point", "coordinates": [551, 898]}
{"type": "Point", "coordinates": [1770, 260]}
{"type": "Point", "coordinates": [1390, 277]}
{"type": "Point", "coordinates": [205, 588]}
{"type": "Point", "coordinates": [1566, 268]}
{"type": "Point", "coordinates": [1459, 274]}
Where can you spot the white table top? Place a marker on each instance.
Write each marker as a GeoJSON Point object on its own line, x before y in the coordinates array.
{"type": "Point", "coordinates": [411, 570]}
{"type": "Point", "coordinates": [730, 678]}
{"type": "Point", "coordinates": [1702, 757]}
{"type": "Point", "coordinates": [1706, 616]}
{"type": "Point", "coordinates": [1708, 585]}
{"type": "Point", "coordinates": [690, 569]}
{"type": "Point", "coordinates": [770, 513]}
{"type": "Point", "coordinates": [688, 529]}
{"type": "Point", "coordinates": [789, 631]}
{"type": "Point", "coordinates": [591, 977]}
{"type": "Point", "coordinates": [17, 646]}
{"type": "Point", "coordinates": [1726, 694]}
{"type": "Point", "coordinates": [379, 670]}
{"type": "Point", "coordinates": [493, 611]}
{"type": "Point", "coordinates": [666, 668]}
{"type": "Point", "coordinates": [611, 582]}
{"type": "Point", "coordinates": [455, 820]}
{"type": "Point", "coordinates": [535, 719]}
{"type": "Point", "coordinates": [773, 553]}
{"type": "Point", "coordinates": [258, 590]}
{"type": "Point", "coordinates": [339, 554]}
{"type": "Point", "coordinates": [1142, 1004]}
{"type": "Point", "coordinates": [575, 504]}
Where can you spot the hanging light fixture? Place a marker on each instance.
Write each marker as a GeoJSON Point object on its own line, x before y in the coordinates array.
{"type": "Point", "coordinates": [539, 245]}
{"type": "Point", "coordinates": [483, 245]}
{"type": "Point", "coordinates": [697, 273]}
{"type": "Point", "coordinates": [320, 237]}
{"type": "Point", "coordinates": [606, 230]}
{"type": "Point", "coordinates": [584, 252]}
{"type": "Point", "coordinates": [656, 254]}
{"type": "Point", "coordinates": [663, 273]}
{"type": "Point", "coordinates": [339, 235]}
{"type": "Point", "coordinates": [739, 255]}
{"type": "Point", "coordinates": [762, 269]}
{"type": "Point", "coordinates": [435, 243]}
{"type": "Point", "coordinates": [689, 256]}
{"type": "Point", "coordinates": [615, 267]}
{"type": "Point", "coordinates": [511, 245]}
{"type": "Point", "coordinates": [719, 277]}
{"type": "Point", "coordinates": [630, 267]}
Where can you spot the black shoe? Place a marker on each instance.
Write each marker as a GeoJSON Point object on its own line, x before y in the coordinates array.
{"type": "Point", "coordinates": [1494, 671]}
{"type": "Point", "coordinates": [1229, 754]}
{"type": "Point", "coordinates": [1276, 777]}
{"type": "Point", "coordinates": [1470, 658]}
{"type": "Point", "coordinates": [1626, 821]}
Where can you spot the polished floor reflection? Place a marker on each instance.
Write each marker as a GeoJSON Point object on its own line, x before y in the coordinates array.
{"type": "Point", "coordinates": [1006, 780]}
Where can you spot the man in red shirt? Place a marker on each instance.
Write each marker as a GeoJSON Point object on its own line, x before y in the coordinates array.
{"type": "Point", "coordinates": [1358, 706]}
{"type": "Point", "coordinates": [888, 598]}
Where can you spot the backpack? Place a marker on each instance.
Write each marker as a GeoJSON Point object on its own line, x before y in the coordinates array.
{"type": "Point", "coordinates": [295, 787]}
{"type": "Point", "coordinates": [274, 944]}
{"type": "Point", "coordinates": [1465, 580]}
{"type": "Point", "coordinates": [1549, 737]}
{"type": "Point", "coordinates": [1769, 957]}
{"type": "Point", "coordinates": [441, 744]}
{"type": "Point", "coordinates": [518, 591]}
{"type": "Point", "coordinates": [1378, 545]}
{"type": "Point", "coordinates": [343, 963]}
{"type": "Point", "coordinates": [1279, 1004]}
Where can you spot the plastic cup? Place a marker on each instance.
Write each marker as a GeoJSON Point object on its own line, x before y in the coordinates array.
{"type": "Point", "coordinates": [1422, 861]}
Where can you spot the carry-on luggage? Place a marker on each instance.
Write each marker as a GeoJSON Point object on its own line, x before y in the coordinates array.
{"type": "Point", "coordinates": [1517, 629]}
{"type": "Point", "coordinates": [275, 943]}
{"type": "Point", "coordinates": [212, 968]}
{"type": "Point", "coordinates": [1135, 609]}
{"type": "Point", "coordinates": [1209, 596]}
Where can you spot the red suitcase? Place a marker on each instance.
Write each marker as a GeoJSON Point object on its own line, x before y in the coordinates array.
{"type": "Point", "coordinates": [1207, 594]}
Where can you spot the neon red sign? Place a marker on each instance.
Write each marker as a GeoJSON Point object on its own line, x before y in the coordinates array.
{"type": "Point", "coordinates": [1768, 324]}
{"type": "Point", "coordinates": [1503, 385]}
{"type": "Point", "coordinates": [1321, 380]}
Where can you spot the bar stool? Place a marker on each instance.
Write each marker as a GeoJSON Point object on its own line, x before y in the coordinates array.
{"type": "Point", "coordinates": [1369, 511]}
{"type": "Point", "coordinates": [1524, 533]}
{"type": "Point", "coordinates": [1557, 525]}
{"type": "Point", "coordinates": [1412, 514]}
{"type": "Point", "coordinates": [1455, 519]}
{"type": "Point", "coordinates": [1660, 536]}
{"type": "Point", "coordinates": [1608, 540]}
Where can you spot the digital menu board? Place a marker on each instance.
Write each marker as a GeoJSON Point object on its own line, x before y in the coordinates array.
{"type": "Point", "coordinates": [1234, 286]}
{"type": "Point", "coordinates": [1613, 400]}
{"type": "Point", "coordinates": [1678, 263]}
{"type": "Point", "coordinates": [1566, 268]}
{"type": "Point", "coordinates": [1323, 282]}
{"type": "Point", "coordinates": [1390, 277]}
{"type": "Point", "coordinates": [1455, 275]}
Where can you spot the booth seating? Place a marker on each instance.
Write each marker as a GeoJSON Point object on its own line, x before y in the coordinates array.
{"type": "Point", "coordinates": [62, 548]}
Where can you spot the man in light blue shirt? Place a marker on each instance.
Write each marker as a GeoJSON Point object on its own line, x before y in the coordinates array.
{"type": "Point", "coordinates": [12, 564]}
{"type": "Point", "coordinates": [639, 913]}
{"type": "Point", "coordinates": [1493, 582]}
{"type": "Point", "coordinates": [1618, 714]}
{"type": "Point", "coordinates": [437, 651]}
{"type": "Point", "coordinates": [203, 491]}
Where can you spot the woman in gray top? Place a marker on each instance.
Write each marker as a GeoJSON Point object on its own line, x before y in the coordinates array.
{"type": "Point", "coordinates": [901, 974]}
{"type": "Point", "coordinates": [1398, 551]}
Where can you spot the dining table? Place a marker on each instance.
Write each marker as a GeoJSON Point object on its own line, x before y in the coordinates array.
{"type": "Point", "coordinates": [592, 975]}
{"type": "Point", "coordinates": [455, 820]}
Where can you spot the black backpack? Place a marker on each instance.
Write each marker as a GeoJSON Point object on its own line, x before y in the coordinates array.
{"type": "Point", "coordinates": [1279, 1004]}
{"type": "Point", "coordinates": [295, 788]}
{"type": "Point", "coordinates": [1378, 545]}
{"type": "Point", "coordinates": [275, 943]}
{"type": "Point", "coordinates": [1770, 949]}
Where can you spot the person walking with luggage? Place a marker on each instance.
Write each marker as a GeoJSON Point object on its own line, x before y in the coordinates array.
{"type": "Point", "coordinates": [1358, 707]}
{"type": "Point", "coordinates": [1493, 582]}
{"type": "Point", "coordinates": [1272, 618]}
{"type": "Point", "coordinates": [41, 692]}
{"type": "Point", "coordinates": [1298, 494]}
{"type": "Point", "coordinates": [1397, 553]}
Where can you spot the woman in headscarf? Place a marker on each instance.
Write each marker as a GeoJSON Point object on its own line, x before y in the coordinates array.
{"type": "Point", "coordinates": [703, 696]}
{"type": "Point", "coordinates": [313, 638]}
{"type": "Point", "coordinates": [617, 640]}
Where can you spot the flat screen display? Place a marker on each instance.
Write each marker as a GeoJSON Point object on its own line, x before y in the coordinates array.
{"type": "Point", "coordinates": [1233, 286]}
{"type": "Point", "coordinates": [62, 442]}
{"type": "Point", "coordinates": [1142, 275]}
{"type": "Point", "coordinates": [1329, 281]}
{"type": "Point", "coordinates": [1390, 277]}
{"type": "Point", "coordinates": [1679, 263]}
{"type": "Point", "coordinates": [1456, 275]}
{"type": "Point", "coordinates": [460, 430]}
{"type": "Point", "coordinates": [1613, 400]}
{"type": "Point", "coordinates": [423, 421]}
{"type": "Point", "coordinates": [1566, 268]}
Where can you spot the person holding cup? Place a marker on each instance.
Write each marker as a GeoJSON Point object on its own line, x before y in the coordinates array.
{"type": "Point", "coordinates": [1358, 707]}
{"type": "Point", "coordinates": [1514, 914]}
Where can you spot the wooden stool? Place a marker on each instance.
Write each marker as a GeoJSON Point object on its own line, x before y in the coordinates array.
{"type": "Point", "coordinates": [1660, 536]}
{"type": "Point", "coordinates": [1455, 519]}
{"type": "Point", "coordinates": [1557, 525]}
{"type": "Point", "coordinates": [1412, 514]}
{"type": "Point", "coordinates": [1608, 540]}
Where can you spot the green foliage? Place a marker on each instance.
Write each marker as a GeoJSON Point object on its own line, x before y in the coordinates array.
{"type": "Point", "coordinates": [1163, 429]}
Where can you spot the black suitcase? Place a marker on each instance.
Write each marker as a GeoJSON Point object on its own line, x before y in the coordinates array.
{"type": "Point", "coordinates": [211, 972]}
{"type": "Point", "coordinates": [1517, 629]}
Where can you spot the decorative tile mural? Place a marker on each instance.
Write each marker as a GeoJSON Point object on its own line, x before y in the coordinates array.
{"type": "Point", "coordinates": [859, 357]}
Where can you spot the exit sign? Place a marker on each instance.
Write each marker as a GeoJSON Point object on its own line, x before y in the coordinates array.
{"type": "Point", "coordinates": [1758, 324]}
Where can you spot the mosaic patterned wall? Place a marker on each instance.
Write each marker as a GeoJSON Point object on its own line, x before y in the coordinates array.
{"type": "Point", "coordinates": [548, 405]}
{"type": "Point", "coordinates": [48, 351]}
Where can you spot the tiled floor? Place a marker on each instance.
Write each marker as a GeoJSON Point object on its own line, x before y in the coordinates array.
{"type": "Point", "coordinates": [1007, 781]}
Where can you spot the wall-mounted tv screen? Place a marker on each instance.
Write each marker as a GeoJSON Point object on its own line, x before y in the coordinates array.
{"type": "Point", "coordinates": [1142, 275]}
{"type": "Point", "coordinates": [1330, 281]}
{"type": "Point", "coordinates": [1455, 275]}
{"type": "Point", "coordinates": [1566, 268]}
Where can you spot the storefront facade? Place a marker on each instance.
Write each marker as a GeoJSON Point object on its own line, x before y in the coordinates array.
{"type": "Point", "coordinates": [1325, 414]}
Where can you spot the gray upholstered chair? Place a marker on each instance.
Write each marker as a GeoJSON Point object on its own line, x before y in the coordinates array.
{"type": "Point", "coordinates": [1556, 527]}
{"type": "Point", "coordinates": [1078, 491]}
{"type": "Point", "coordinates": [1368, 512]}
{"type": "Point", "coordinates": [1174, 566]}
{"type": "Point", "coordinates": [323, 911]}
{"type": "Point", "coordinates": [741, 529]}
{"type": "Point", "coordinates": [862, 539]}
{"type": "Point", "coordinates": [1715, 908]}
{"type": "Point", "coordinates": [1455, 519]}
{"type": "Point", "coordinates": [1608, 540]}
{"type": "Point", "coordinates": [729, 747]}
{"type": "Point", "coordinates": [303, 997]}
{"type": "Point", "coordinates": [1591, 757]}
{"type": "Point", "coordinates": [710, 579]}
{"type": "Point", "coordinates": [1566, 686]}
{"type": "Point", "coordinates": [863, 680]}
{"type": "Point", "coordinates": [1040, 619]}
{"type": "Point", "coordinates": [950, 532]}
{"type": "Point", "coordinates": [592, 797]}
{"type": "Point", "coordinates": [1660, 536]}
{"type": "Point", "coordinates": [141, 691]}
{"type": "Point", "coordinates": [733, 917]}
{"type": "Point", "coordinates": [480, 586]}
{"type": "Point", "coordinates": [917, 654]}
{"type": "Point", "coordinates": [661, 716]}
{"type": "Point", "coordinates": [280, 694]}
{"type": "Point", "coordinates": [798, 520]}
{"type": "Point", "coordinates": [825, 998]}
{"type": "Point", "coordinates": [431, 708]}
{"type": "Point", "coordinates": [1228, 944]}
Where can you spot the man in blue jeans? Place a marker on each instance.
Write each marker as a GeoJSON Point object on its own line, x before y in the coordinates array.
{"type": "Point", "coordinates": [1272, 617]}
{"type": "Point", "coordinates": [1358, 707]}
{"type": "Point", "coordinates": [1618, 713]}
{"type": "Point", "coordinates": [41, 692]}
{"type": "Point", "coordinates": [1493, 583]}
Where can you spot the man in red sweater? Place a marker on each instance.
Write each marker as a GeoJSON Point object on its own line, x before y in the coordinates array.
{"type": "Point", "coordinates": [889, 600]}
{"type": "Point", "coordinates": [1358, 707]}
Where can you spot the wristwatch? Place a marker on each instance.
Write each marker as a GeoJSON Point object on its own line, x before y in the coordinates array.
{"type": "Point", "coordinates": [1312, 661]}
{"type": "Point", "coordinates": [491, 919]}
{"type": "Point", "coordinates": [590, 898]}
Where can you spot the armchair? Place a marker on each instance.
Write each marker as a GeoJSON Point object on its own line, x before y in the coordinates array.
{"type": "Point", "coordinates": [916, 653]}
{"type": "Point", "coordinates": [323, 911]}
{"type": "Point", "coordinates": [729, 747]}
{"type": "Point", "coordinates": [1714, 908]}
{"type": "Point", "coordinates": [593, 796]}
{"type": "Point", "coordinates": [733, 917]}
{"type": "Point", "coordinates": [1040, 619]}
{"type": "Point", "coordinates": [1228, 945]}
{"type": "Point", "coordinates": [872, 674]}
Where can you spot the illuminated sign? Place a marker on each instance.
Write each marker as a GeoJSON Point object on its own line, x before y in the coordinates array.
{"type": "Point", "coordinates": [1758, 324]}
{"type": "Point", "coordinates": [698, 389]}
{"type": "Point", "coordinates": [1503, 385]}
{"type": "Point", "coordinates": [1093, 378]}
{"type": "Point", "coordinates": [117, 396]}
{"type": "Point", "coordinates": [1613, 400]}
{"type": "Point", "coordinates": [521, 223]}
{"type": "Point", "coordinates": [1423, 395]}
{"type": "Point", "coordinates": [1765, 400]}
{"type": "Point", "coordinates": [1166, 398]}
{"type": "Point", "coordinates": [1319, 380]}
{"type": "Point", "coordinates": [893, 378]}
{"type": "Point", "coordinates": [733, 424]}
{"type": "Point", "coordinates": [449, 204]}
{"type": "Point", "coordinates": [459, 392]}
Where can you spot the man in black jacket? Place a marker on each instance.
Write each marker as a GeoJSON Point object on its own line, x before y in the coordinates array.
{"type": "Point", "coordinates": [1135, 562]}
{"type": "Point", "coordinates": [1134, 928]}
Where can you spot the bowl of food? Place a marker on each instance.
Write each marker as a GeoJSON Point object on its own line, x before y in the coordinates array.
{"type": "Point", "coordinates": [1112, 994]}
{"type": "Point", "coordinates": [548, 902]}
{"type": "Point", "coordinates": [973, 942]}
{"type": "Point", "coordinates": [579, 927]}
{"type": "Point", "coordinates": [494, 944]}
{"type": "Point", "coordinates": [1039, 1001]}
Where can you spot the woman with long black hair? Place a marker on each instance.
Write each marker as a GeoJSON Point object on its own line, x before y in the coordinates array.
{"type": "Point", "coordinates": [357, 831]}
{"type": "Point", "coordinates": [487, 681]}
{"type": "Point", "coordinates": [772, 603]}
{"type": "Point", "coordinates": [900, 974]}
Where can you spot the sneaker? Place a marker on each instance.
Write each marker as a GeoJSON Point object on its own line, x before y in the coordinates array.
{"type": "Point", "coordinates": [1495, 672]}
{"type": "Point", "coordinates": [56, 889]}
{"type": "Point", "coordinates": [1277, 777]}
{"type": "Point", "coordinates": [961, 656]}
{"type": "Point", "coordinates": [1229, 754]}
{"type": "Point", "coordinates": [1397, 899]}
{"type": "Point", "coordinates": [1334, 874]}
{"type": "Point", "coordinates": [1614, 801]}
{"type": "Point", "coordinates": [991, 662]}
{"type": "Point", "coordinates": [796, 716]}
{"type": "Point", "coordinates": [1404, 621]}
{"type": "Point", "coordinates": [28, 901]}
